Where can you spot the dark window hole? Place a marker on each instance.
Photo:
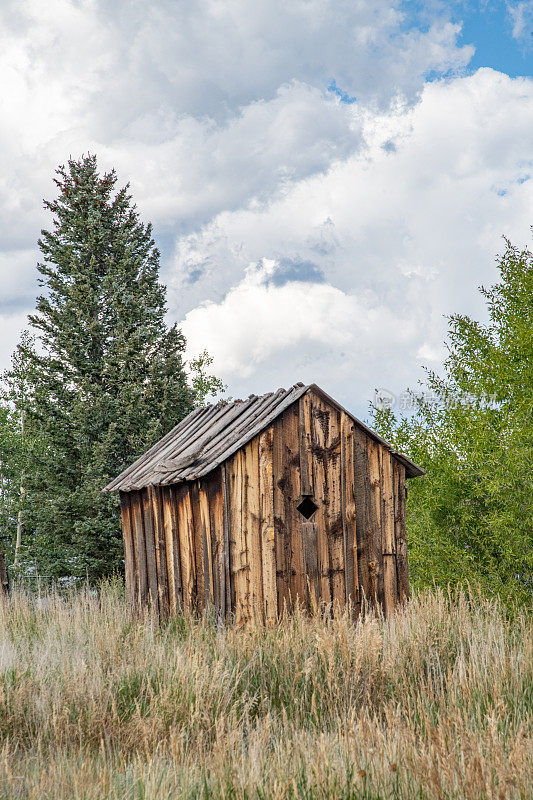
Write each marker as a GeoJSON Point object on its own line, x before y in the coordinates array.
{"type": "Point", "coordinates": [307, 507]}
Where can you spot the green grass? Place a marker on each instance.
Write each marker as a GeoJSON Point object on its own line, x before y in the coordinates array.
{"type": "Point", "coordinates": [435, 702]}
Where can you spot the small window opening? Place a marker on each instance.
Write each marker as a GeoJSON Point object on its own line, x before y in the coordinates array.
{"type": "Point", "coordinates": [307, 507]}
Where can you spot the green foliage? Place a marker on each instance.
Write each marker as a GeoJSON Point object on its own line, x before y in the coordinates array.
{"type": "Point", "coordinates": [204, 384]}
{"type": "Point", "coordinates": [106, 376]}
{"type": "Point", "coordinates": [16, 448]}
{"type": "Point", "coordinates": [470, 518]}
{"type": "Point", "coordinates": [10, 445]}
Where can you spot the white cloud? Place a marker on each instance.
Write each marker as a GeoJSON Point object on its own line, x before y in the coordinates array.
{"type": "Point", "coordinates": [408, 224]}
{"type": "Point", "coordinates": [204, 107]}
{"type": "Point", "coordinates": [522, 20]}
{"type": "Point", "coordinates": [278, 334]}
{"type": "Point", "coordinates": [170, 87]}
{"type": "Point", "coordinates": [17, 269]}
{"type": "Point", "coordinates": [202, 168]}
{"type": "Point", "coordinates": [363, 223]}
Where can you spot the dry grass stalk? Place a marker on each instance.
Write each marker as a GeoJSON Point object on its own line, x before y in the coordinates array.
{"type": "Point", "coordinates": [433, 703]}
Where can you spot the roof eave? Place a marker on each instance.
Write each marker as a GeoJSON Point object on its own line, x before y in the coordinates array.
{"type": "Point", "coordinates": [129, 481]}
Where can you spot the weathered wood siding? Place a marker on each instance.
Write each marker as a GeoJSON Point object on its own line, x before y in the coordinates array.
{"type": "Point", "coordinates": [174, 546]}
{"type": "Point", "coordinates": [236, 541]}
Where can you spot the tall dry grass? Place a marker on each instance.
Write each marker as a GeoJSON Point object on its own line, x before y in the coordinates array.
{"type": "Point", "coordinates": [435, 702]}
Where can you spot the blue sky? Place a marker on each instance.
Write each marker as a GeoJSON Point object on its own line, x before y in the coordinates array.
{"type": "Point", "coordinates": [501, 33]}
{"type": "Point", "coordinates": [326, 179]}
{"type": "Point", "coordinates": [489, 26]}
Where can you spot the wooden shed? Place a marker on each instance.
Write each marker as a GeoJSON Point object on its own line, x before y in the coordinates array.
{"type": "Point", "coordinates": [253, 505]}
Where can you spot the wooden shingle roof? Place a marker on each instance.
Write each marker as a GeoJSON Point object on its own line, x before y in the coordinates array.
{"type": "Point", "coordinates": [210, 435]}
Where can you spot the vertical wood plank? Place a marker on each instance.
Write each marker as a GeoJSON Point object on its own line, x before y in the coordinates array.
{"type": "Point", "coordinates": [304, 434]}
{"type": "Point", "coordinates": [389, 583]}
{"type": "Point", "coordinates": [349, 512]}
{"type": "Point", "coordinates": [129, 550]}
{"type": "Point", "coordinates": [310, 548]}
{"type": "Point", "coordinates": [172, 549]}
{"type": "Point", "coordinates": [149, 509]}
{"type": "Point", "coordinates": [140, 548]}
{"type": "Point", "coordinates": [226, 553]}
{"type": "Point", "coordinates": [252, 528]}
{"type": "Point", "coordinates": [374, 450]}
{"type": "Point", "coordinates": [292, 496]}
{"type": "Point", "coordinates": [268, 545]}
{"type": "Point", "coordinates": [198, 546]}
{"type": "Point", "coordinates": [154, 493]}
{"type": "Point", "coordinates": [281, 533]}
{"type": "Point", "coordinates": [402, 567]}
{"type": "Point", "coordinates": [216, 524]}
{"type": "Point", "coordinates": [362, 514]}
{"type": "Point", "coordinates": [388, 544]}
{"type": "Point", "coordinates": [319, 440]}
{"type": "Point", "coordinates": [335, 522]}
{"type": "Point", "coordinates": [151, 556]}
{"type": "Point", "coordinates": [186, 545]}
{"type": "Point", "coordinates": [240, 567]}
{"type": "Point", "coordinates": [388, 535]}
{"type": "Point", "coordinates": [205, 533]}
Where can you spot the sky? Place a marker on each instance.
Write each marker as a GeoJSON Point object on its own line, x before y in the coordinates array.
{"type": "Point", "coordinates": [327, 179]}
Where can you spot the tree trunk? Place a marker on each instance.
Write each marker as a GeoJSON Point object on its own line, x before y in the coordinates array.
{"type": "Point", "coordinates": [18, 540]}
{"type": "Point", "coordinates": [4, 580]}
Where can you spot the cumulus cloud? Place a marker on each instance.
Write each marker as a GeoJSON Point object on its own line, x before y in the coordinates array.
{"type": "Point", "coordinates": [411, 228]}
{"type": "Point", "coordinates": [293, 330]}
{"type": "Point", "coordinates": [319, 202]}
{"type": "Point", "coordinates": [202, 168]}
{"type": "Point", "coordinates": [205, 107]}
{"type": "Point", "coordinates": [202, 105]}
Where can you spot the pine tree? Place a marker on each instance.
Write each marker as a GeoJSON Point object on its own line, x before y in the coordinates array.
{"type": "Point", "coordinates": [109, 378]}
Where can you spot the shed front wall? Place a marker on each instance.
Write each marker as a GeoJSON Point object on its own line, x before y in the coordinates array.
{"type": "Point", "coordinates": [236, 540]}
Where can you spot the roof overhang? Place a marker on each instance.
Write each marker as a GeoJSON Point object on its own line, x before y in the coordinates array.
{"type": "Point", "coordinates": [208, 436]}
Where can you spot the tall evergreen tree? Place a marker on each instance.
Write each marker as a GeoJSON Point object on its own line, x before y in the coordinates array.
{"type": "Point", "coordinates": [109, 378]}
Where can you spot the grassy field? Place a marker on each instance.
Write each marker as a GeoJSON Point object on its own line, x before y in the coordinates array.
{"type": "Point", "coordinates": [433, 703]}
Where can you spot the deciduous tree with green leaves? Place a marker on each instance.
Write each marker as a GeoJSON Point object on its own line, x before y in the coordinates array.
{"type": "Point", "coordinates": [204, 384]}
{"type": "Point", "coordinates": [17, 391]}
{"type": "Point", "coordinates": [10, 471]}
{"type": "Point", "coordinates": [108, 376]}
{"type": "Point", "coordinates": [471, 517]}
